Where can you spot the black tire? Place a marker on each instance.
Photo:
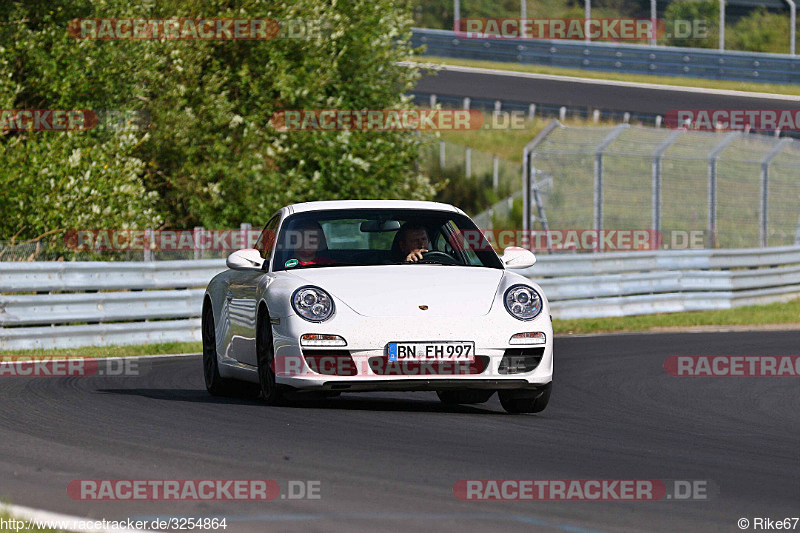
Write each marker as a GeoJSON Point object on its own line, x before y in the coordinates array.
{"type": "Point", "coordinates": [525, 401]}
{"type": "Point", "coordinates": [215, 384]}
{"type": "Point", "coordinates": [265, 355]}
{"type": "Point", "coordinates": [455, 397]}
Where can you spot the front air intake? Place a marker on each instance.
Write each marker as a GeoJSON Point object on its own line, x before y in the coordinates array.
{"type": "Point", "coordinates": [520, 360]}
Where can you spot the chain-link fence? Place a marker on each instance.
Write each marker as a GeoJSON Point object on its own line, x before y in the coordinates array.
{"type": "Point", "coordinates": [742, 190]}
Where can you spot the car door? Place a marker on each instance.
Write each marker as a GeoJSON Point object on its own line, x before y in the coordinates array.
{"type": "Point", "coordinates": [243, 296]}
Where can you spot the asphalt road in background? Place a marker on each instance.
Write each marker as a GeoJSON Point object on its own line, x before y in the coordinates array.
{"type": "Point", "coordinates": [389, 461]}
{"type": "Point", "coordinates": [587, 94]}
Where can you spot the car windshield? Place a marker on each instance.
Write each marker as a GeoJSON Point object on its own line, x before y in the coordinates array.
{"type": "Point", "coordinates": [359, 237]}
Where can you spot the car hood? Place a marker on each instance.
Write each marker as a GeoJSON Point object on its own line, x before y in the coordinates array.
{"type": "Point", "coordinates": [393, 291]}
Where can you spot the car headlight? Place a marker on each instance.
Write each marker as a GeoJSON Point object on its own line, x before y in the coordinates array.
{"type": "Point", "coordinates": [312, 303]}
{"type": "Point", "coordinates": [523, 302]}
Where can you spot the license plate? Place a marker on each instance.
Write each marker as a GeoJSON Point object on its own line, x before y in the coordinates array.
{"type": "Point", "coordinates": [431, 351]}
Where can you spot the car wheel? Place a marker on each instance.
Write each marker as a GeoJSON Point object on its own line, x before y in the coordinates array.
{"type": "Point", "coordinates": [454, 397]}
{"type": "Point", "coordinates": [265, 352]}
{"type": "Point", "coordinates": [524, 400]}
{"type": "Point", "coordinates": [215, 384]}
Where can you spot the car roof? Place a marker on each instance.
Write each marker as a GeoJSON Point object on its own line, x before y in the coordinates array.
{"type": "Point", "coordinates": [370, 204]}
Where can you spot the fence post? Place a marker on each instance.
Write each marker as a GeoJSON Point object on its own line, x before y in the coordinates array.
{"type": "Point", "coordinates": [531, 111]}
{"type": "Point", "coordinates": [195, 237]}
{"type": "Point", "coordinates": [466, 103]}
{"type": "Point", "coordinates": [468, 162]}
{"type": "Point", "coordinates": [598, 174]}
{"type": "Point", "coordinates": [713, 155]}
{"type": "Point", "coordinates": [562, 113]}
{"type": "Point", "coordinates": [148, 236]}
{"type": "Point", "coordinates": [764, 211]}
{"type": "Point", "coordinates": [527, 179]}
{"type": "Point", "coordinates": [432, 101]}
{"type": "Point", "coordinates": [244, 229]}
{"type": "Point", "coordinates": [442, 149]}
{"type": "Point", "coordinates": [657, 156]}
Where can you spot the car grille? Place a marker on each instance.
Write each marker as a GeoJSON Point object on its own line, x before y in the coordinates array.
{"type": "Point", "coordinates": [520, 360]}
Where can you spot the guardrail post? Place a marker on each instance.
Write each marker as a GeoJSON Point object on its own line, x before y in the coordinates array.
{"type": "Point", "coordinates": [531, 111]}
{"type": "Point", "coordinates": [467, 100]}
{"type": "Point", "coordinates": [764, 211]}
{"type": "Point", "coordinates": [562, 113]}
{"type": "Point", "coordinates": [442, 154]}
{"type": "Point", "coordinates": [468, 162]}
{"type": "Point", "coordinates": [657, 157]}
{"type": "Point", "coordinates": [598, 174]}
{"type": "Point", "coordinates": [713, 155]}
{"type": "Point", "coordinates": [498, 106]}
{"type": "Point", "coordinates": [432, 101]}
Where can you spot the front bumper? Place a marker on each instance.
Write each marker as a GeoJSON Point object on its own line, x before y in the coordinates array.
{"type": "Point", "coordinates": [367, 338]}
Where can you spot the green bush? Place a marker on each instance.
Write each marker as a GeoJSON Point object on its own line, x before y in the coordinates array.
{"type": "Point", "coordinates": [208, 155]}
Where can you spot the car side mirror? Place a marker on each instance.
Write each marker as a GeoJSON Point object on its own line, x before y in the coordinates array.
{"type": "Point", "coordinates": [517, 258]}
{"type": "Point", "coordinates": [247, 259]}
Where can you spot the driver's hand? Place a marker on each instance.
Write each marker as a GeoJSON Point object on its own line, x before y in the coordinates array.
{"type": "Point", "coordinates": [415, 255]}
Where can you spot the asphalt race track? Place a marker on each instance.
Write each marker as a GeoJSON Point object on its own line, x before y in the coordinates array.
{"type": "Point", "coordinates": [389, 461]}
{"type": "Point", "coordinates": [594, 95]}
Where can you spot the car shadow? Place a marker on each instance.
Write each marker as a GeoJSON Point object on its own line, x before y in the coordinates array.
{"type": "Point", "coordinates": [348, 402]}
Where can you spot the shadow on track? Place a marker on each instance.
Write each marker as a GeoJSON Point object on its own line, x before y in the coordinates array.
{"type": "Point", "coordinates": [347, 403]}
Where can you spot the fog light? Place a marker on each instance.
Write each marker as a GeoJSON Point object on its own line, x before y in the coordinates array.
{"type": "Point", "coordinates": [528, 338]}
{"type": "Point", "coordinates": [315, 339]}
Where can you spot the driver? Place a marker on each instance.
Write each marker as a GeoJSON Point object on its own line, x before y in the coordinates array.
{"type": "Point", "coordinates": [413, 241]}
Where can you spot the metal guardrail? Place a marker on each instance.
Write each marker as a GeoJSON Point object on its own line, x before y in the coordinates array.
{"type": "Point", "coordinates": [613, 57]}
{"type": "Point", "coordinates": [162, 302]}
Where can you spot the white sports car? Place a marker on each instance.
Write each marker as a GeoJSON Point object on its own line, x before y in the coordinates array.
{"type": "Point", "coordinates": [379, 295]}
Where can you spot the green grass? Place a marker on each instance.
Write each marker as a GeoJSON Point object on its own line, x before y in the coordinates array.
{"type": "Point", "coordinates": [507, 144]}
{"type": "Point", "coordinates": [757, 315]}
{"type": "Point", "coordinates": [115, 351]}
{"type": "Point", "coordinates": [729, 85]}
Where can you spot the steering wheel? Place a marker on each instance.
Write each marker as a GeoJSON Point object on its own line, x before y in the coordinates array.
{"type": "Point", "coordinates": [437, 257]}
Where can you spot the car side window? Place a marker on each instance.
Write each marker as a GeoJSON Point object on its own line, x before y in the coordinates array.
{"type": "Point", "coordinates": [266, 241]}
